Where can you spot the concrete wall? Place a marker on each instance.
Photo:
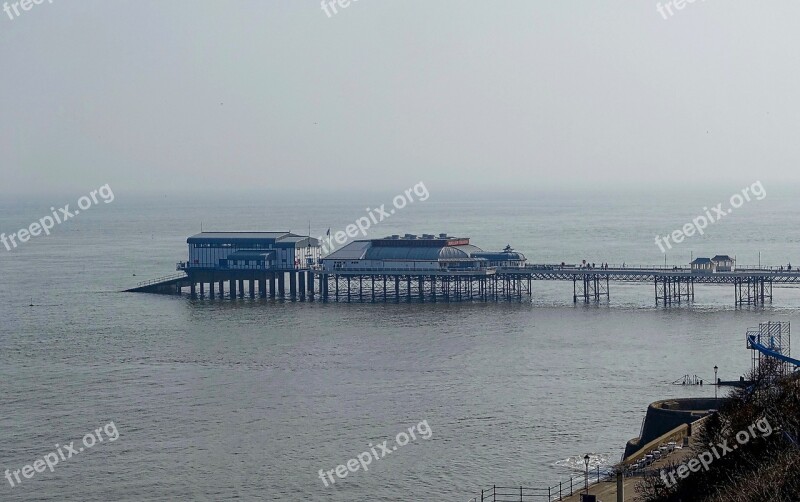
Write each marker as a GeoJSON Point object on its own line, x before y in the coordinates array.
{"type": "Point", "coordinates": [664, 416]}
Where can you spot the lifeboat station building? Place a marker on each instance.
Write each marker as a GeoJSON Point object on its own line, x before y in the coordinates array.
{"type": "Point", "coordinates": [252, 258]}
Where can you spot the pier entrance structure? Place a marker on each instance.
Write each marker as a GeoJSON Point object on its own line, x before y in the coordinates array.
{"type": "Point", "coordinates": [251, 262]}
{"type": "Point", "coordinates": [424, 268]}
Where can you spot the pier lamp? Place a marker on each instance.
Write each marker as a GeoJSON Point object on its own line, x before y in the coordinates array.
{"type": "Point", "coordinates": [586, 463]}
{"type": "Point", "coordinates": [716, 381]}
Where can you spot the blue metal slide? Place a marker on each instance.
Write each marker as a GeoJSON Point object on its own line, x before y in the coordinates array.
{"type": "Point", "coordinates": [753, 344]}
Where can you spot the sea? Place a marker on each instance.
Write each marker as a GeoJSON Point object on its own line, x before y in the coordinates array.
{"type": "Point", "coordinates": [224, 400]}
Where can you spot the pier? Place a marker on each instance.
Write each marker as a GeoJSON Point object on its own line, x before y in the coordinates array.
{"type": "Point", "coordinates": [282, 265]}
{"type": "Point", "coordinates": [751, 286]}
{"type": "Point", "coordinates": [670, 285]}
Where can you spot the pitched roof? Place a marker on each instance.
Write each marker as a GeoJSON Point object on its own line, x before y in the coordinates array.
{"type": "Point", "coordinates": [722, 257]}
{"type": "Point", "coordinates": [235, 236]}
{"type": "Point", "coordinates": [352, 251]}
{"type": "Point", "coordinates": [280, 239]}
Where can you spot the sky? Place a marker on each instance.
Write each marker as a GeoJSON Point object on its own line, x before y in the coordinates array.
{"type": "Point", "coordinates": [196, 95]}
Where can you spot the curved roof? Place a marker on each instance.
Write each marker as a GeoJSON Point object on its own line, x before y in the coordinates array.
{"type": "Point", "coordinates": [501, 255]}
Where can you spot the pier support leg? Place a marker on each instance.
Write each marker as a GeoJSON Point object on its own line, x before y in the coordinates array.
{"type": "Point", "coordinates": [252, 288]}
{"type": "Point", "coordinates": [222, 289]}
{"type": "Point", "coordinates": [281, 284]}
{"type": "Point", "coordinates": [193, 290]}
{"type": "Point", "coordinates": [211, 290]}
{"type": "Point", "coordinates": [202, 289]}
{"type": "Point", "coordinates": [310, 277]}
{"type": "Point", "coordinates": [574, 289]}
{"type": "Point", "coordinates": [301, 281]}
{"type": "Point", "coordinates": [233, 288]}
{"type": "Point", "coordinates": [397, 288]}
{"type": "Point", "coordinates": [241, 288]}
{"type": "Point", "coordinates": [262, 286]}
{"type": "Point", "coordinates": [272, 285]}
{"type": "Point", "coordinates": [293, 285]}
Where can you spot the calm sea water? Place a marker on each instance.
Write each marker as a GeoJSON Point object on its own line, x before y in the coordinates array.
{"type": "Point", "coordinates": [249, 399]}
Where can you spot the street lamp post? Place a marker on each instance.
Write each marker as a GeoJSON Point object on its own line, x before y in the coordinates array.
{"type": "Point", "coordinates": [586, 462]}
{"type": "Point", "coordinates": [716, 381]}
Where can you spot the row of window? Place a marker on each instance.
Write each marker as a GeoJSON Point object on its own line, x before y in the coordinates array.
{"type": "Point", "coordinates": [230, 245]}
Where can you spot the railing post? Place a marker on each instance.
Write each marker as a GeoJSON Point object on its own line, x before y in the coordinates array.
{"type": "Point", "coordinates": [494, 493]}
{"type": "Point", "coordinates": [598, 473]}
{"type": "Point", "coordinates": [520, 494]}
{"type": "Point", "coordinates": [481, 494]}
{"type": "Point", "coordinates": [560, 494]}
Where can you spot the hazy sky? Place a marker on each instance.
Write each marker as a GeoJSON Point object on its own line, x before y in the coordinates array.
{"type": "Point", "coordinates": [274, 94]}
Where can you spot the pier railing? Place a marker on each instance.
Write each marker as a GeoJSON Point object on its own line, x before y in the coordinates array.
{"type": "Point", "coordinates": [617, 268]}
{"type": "Point", "coordinates": [574, 485]}
{"type": "Point", "coordinates": [409, 271]}
{"type": "Point", "coordinates": [638, 267]}
{"type": "Point", "coordinates": [161, 279]}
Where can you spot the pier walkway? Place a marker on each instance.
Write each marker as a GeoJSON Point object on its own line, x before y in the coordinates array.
{"type": "Point", "coordinates": [752, 285]}
{"type": "Point", "coordinates": [164, 285]}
